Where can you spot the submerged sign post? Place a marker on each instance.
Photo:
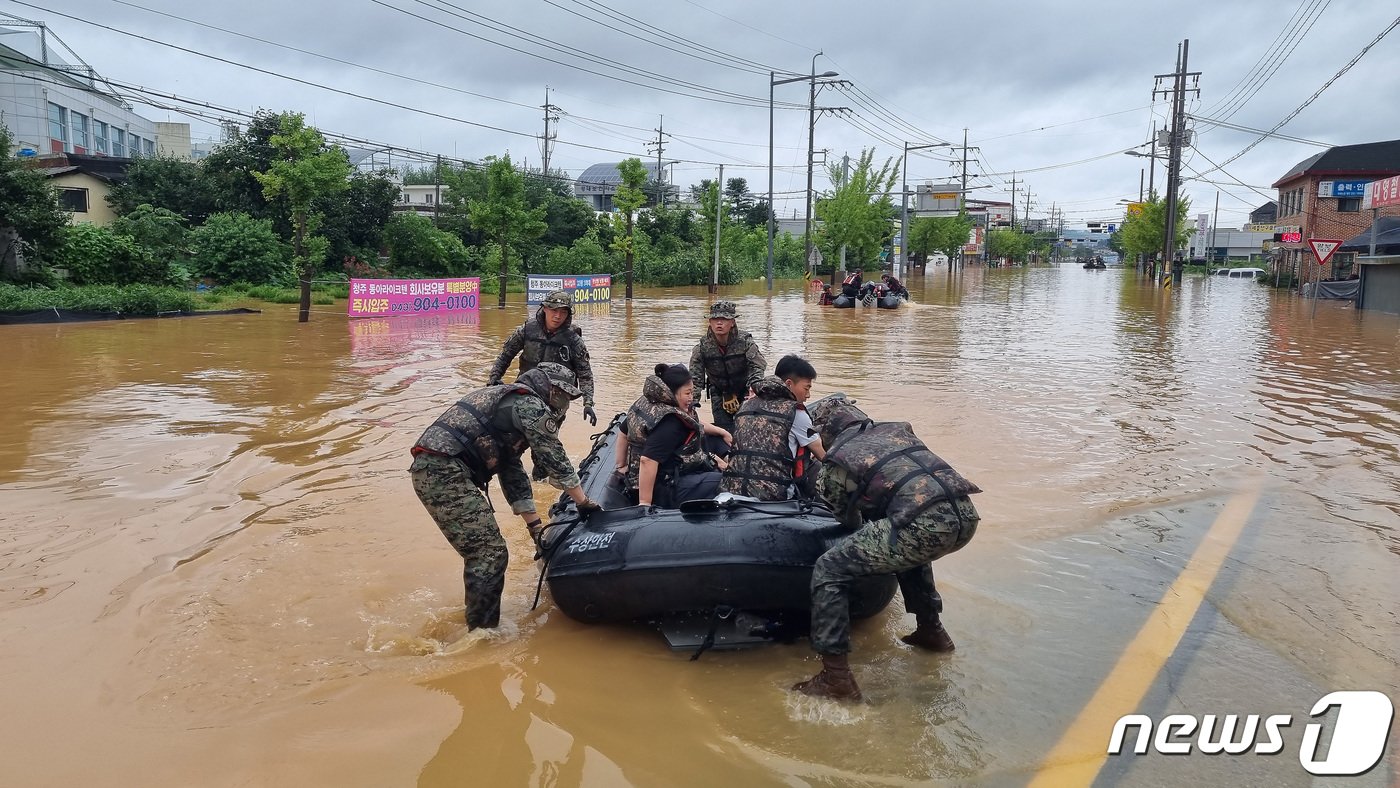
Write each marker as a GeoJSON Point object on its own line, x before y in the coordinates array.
{"type": "Point", "coordinates": [388, 297]}
{"type": "Point", "coordinates": [585, 288]}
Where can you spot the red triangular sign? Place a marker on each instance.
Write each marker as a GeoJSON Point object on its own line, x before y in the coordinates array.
{"type": "Point", "coordinates": [1323, 248]}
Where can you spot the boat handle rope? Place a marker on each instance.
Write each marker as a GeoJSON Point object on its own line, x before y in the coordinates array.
{"type": "Point", "coordinates": [547, 552]}
{"type": "Point", "coordinates": [720, 613]}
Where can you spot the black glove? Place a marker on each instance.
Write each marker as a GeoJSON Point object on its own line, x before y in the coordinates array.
{"type": "Point", "coordinates": [537, 536]}
{"type": "Point", "coordinates": [494, 382]}
{"type": "Point", "coordinates": [588, 413]}
{"type": "Point", "coordinates": [699, 394]}
{"type": "Point", "coordinates": [589, 506]}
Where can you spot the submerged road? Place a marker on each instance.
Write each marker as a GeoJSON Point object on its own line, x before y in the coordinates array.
{"type": "Point", "coordinates": [213, 569]}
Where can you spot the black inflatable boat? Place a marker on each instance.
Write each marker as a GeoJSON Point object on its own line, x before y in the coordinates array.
{"type": "Point", "coordinates": [730, 565]}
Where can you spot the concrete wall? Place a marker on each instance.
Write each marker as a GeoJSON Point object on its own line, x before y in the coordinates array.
{"type": "Point", "coordinates": [173, 139]}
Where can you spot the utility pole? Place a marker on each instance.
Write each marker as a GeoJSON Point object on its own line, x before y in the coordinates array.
{"type": "Point", "coordinates": [1013, 199]}
{"type": "Point", "coordinates": [845, 179]}
{"type": "Point", "coordinates": [811, 153]}
{"type": "Point", "coordinates": [1214, 223]}
{"type": "Point", "coordinates": [1176, 139]}
{"type": "Point", "coordinates": [437, 188]}
{"type": "Point", "coordinates": [660, 143]}
{"type": "Point", "coordinates": [719, 217]}
{"type": "Point", "coordinates": [547, 141]}
{"type": "Point", "coordinates": [962, 195]}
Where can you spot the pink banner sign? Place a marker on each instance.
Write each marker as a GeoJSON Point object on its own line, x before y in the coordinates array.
{"type": "Point", "coordinates": [1383, 192]}
{"type": "Point", "coordinates": [388, 297]}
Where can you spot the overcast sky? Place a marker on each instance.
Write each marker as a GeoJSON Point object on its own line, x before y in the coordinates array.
{"type": "Point", "coordinates": [1040, 86]}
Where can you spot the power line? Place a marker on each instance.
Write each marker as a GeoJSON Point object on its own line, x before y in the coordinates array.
{"type": "Point", "coordinates": [1237, 127]}
{"type": "Point", "coordinates": [1313, 97]}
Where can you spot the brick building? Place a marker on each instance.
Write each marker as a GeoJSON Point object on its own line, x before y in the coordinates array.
{"type": "Point", "coordinates": [1320, 197]}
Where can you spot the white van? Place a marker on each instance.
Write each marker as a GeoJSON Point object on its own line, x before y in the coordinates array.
{"type": "Point", "coordinates": [1243, 273]}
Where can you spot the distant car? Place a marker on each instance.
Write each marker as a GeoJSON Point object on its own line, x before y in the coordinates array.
{"type": "Point", "coordinates": [1242, 273]}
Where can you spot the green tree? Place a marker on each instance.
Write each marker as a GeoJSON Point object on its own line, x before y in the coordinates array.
{"type": "Point", "coordinates": [303, 169]}
{"type": "Point", "coordinates": [235, 247]}
{"type": "Point", "coordinates": [1142, 233]}
{"type": "Point", "coordinates": [857, 213]}
{"type": "Point", "coordinates": [504, 217]}
{"type": "Point", "coordinates": [29, 216]}
{"type": "Point", "coordinates": [95, 255]}
{"type": "Point", "coordinates": [1012, 244]}
{"type": "Point", "coordinates": [713, 207]}
{"type": "Point", "coordinates": [168, 183]}
{"type": "Point", "coordinates": [415, 245]}
{"type": "Point", "coordinates": [944, 235]}
{"type": "Point", "coordinates": [231, 170]}
{"type": "Point", "coordinates": [738, 199]}
{"type": "Point", "coordinates": [355, 218]}
{"type": "Point", "coordinates": [628, 199]}
{"type": "Point", "coordinates": [163, 234]}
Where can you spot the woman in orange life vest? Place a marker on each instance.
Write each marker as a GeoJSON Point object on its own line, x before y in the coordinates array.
{"type": "Point", "coordinates": [850, 286]}
{"type": "Point", "coordinates": [666, 461]}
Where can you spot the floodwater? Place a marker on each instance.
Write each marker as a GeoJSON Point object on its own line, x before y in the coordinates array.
{"type": "Point", "coordinates": [213, 569]}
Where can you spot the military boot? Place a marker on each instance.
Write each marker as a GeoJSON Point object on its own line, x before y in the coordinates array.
{"type": "Point", "coordinates": [930, 636]}
{"type": "Point", "coordinates": [835, 681]}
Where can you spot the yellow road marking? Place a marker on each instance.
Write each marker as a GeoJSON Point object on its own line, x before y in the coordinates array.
{"type": "Point", "coordinates": [1079, 754]}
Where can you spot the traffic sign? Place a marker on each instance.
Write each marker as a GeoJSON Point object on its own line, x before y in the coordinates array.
{"type": "Point", "coordinates": [1323, 248]}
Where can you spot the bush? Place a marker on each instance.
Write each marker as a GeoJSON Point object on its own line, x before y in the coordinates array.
{"type": "Point", "coordinates": [95, 255]}
{"type": "Point", "coordinates": [415, 243]}
{"type": "Point", "coordinates": [235, 247]}
{"type": "Point", "coordinates": [585, 256]}
{"type": "Point", "coordinates": [134, 300]}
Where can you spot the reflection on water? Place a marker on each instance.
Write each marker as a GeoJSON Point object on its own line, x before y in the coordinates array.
{"type": "Point", "coordinates": [207, 524]}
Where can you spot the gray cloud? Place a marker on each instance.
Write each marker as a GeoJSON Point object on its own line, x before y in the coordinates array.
{"type": "Point", "coordinates": [1016, 75]}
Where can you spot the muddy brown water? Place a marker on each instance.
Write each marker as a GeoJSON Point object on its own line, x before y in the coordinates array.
{"type": "Point", "coordinates": [213, 569]}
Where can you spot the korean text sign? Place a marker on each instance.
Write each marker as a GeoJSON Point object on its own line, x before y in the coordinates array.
{"type": "Point", "coordinates": [385, 297]}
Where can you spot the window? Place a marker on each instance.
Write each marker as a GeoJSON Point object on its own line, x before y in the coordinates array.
{"type": "Point", "coordinates": [149, 147]}
{"type": "Point", "coordinates": [99, 135]}
{"type": "Point", "coordinates": [75, 200]}
{"type": "Point", "coordinates": [118, 142]}
{"type": "Point", "coordinates": [80, 132]}
{"type": "Point", "coordinates": [1348, 204]}
{"type": "Point", "coordinates": [133, 143]}
{"type": "Point", "coordinates": [58, 125]}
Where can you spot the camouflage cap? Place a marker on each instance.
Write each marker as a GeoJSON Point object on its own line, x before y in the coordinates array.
{"type": "Point", "coordinates": [559, 299]}
{"type": "Point", "coordinates": [560, 377]}
{"type": "Point", "coordinates": [725, 309]}
{"type": "Point", "coordinates": [832, 414]}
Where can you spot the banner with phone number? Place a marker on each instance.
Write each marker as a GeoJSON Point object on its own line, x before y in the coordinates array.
{"type": "Point", "coordinates": [386, 297]}
{"type": "Point", "coordinates": [585, 289]}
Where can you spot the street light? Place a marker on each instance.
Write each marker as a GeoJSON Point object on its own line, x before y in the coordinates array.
{"type": "Point", "coordinates": [904, 198]}
{"type": "Point", "coordinates": [773, 82]}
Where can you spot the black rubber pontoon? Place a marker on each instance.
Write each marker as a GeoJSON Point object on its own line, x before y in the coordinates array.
{"type": "Point", "coordinates": [727, 556]}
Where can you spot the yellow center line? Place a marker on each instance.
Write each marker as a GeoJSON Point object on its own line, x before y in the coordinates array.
{"type": "Point", "coordinates": [1079, 754]}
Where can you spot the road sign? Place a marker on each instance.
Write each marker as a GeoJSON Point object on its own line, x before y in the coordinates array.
{"type": "Point", "coordinates": [1323, 248]}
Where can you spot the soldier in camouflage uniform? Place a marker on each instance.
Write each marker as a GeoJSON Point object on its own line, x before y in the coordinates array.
{"type": "Point", "coordinates": [907, 508]}
{"type": "Point", "coordinates": [774, 443]}
{"type": "Point", "coordinates": [726, 363]}
{"type": "Point", "coordinates": [481, 436]}
{"type": "Point", "coordinates": [550, 336]}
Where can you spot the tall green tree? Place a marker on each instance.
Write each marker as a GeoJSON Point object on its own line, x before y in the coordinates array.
{"type": "Point", "coordinates": [1143, 233]}
{"type": "Point", "coordinates": [1011, 244]}
{"type": "Point", "coordinates": [944, 235]}
{"type": "Point", "coordinates": [504, 217]}
{"type": "Point", "coordinates": [304, 168]}
{"type": "Point", "coordinates": [629, 198]}
{"type": "Point", "coordinates": [165, 182]}
{"type": "Point", "coordinates": [857, 213]}
{"type": "Point", "coordinates": [30, 216]}
{"type": "Point", "coordinates": [738, 199]}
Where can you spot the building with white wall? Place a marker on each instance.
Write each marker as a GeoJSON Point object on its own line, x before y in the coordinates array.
{"type": "Point", "coordinates": [54, 103]}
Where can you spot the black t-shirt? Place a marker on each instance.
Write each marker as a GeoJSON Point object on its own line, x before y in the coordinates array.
{"type": "Point", "coordinates": [665, 439]}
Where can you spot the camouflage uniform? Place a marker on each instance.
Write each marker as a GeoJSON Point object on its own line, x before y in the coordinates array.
{"type": "Point", "coordinates": [535, 345]}
{"type": "Point", "coordinates": [907, 508]}
{"type": "Point", "coordinates": [656, 403]}
{"type": "Point", "coordinates": [481, 436]}
{"type": "Point", "coordinates": [726, 371]}
{"type": "Point", "coordinates": [761, 464]}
